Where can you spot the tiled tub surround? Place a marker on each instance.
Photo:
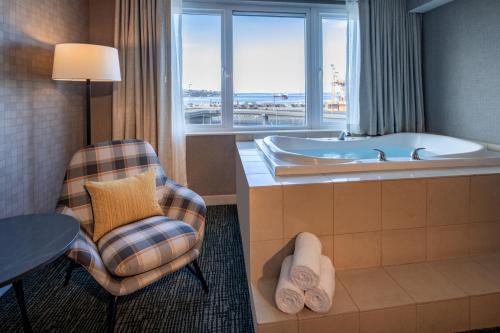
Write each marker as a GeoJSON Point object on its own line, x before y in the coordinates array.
{"type": "Point", "coordinates": [417, 246]}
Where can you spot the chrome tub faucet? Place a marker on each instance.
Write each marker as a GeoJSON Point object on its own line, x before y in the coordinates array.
{"type": "Point", "coordinates": [343, 135]}
{"type": "Point", "coordinates": [414, 154]}
{"type": "Point", "coordinates": [381, 155]}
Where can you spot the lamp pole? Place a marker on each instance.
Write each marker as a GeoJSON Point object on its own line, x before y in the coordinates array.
{"type": "Point", "coordinates": [88, 120]}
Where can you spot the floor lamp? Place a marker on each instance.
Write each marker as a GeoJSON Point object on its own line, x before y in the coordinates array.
{"type": "Point", "coordinates": [86, 62]}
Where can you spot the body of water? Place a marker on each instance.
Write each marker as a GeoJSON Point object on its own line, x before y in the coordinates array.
{"type": "Point", "coordinates": [259, 98]}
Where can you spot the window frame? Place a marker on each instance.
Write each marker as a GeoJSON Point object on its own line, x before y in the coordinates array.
{"type": "Point", "coordinates": [313, 53]}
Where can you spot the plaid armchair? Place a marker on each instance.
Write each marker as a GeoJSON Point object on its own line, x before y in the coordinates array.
{"type": "Point", "coordinates": [138, 254]}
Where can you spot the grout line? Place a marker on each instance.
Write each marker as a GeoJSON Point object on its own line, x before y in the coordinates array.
{"type": "Point", "coordinates": [399, 285]}
{"type": "Point", "coordinates": [282, 189]}
{"type": "Point", "coordinates": [426, 224]}
{"type": "Point", "coordinates": [381, 224]}
{"type": "Point", "coordinates": [333, 217]}
{"type": "Point", "coordinates": [348, 293]}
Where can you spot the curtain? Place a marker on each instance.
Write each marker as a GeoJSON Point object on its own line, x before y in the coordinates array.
{"type": "Point", "coordinates": [391, 95]}
{"type": "Point", "coordinates": [147, 103]}
{"type": "Point", "coordinates": [353, 66]}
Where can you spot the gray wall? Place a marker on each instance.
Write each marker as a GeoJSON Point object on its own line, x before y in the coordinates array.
{"type": "Point", "coordinates": [462, 69]}
{"type": "Point", "coordinates": [41, 121]}
{"type": "Point", "coordinates": [211, 164]}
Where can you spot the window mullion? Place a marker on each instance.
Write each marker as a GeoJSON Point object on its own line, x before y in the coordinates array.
{"type": "Point", "coordinates": [227, 78]}
{"type": "Point", "coordinates": [314, 69]}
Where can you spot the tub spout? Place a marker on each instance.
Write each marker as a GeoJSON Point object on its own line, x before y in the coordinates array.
{"type": "Point", "coordinates": [343, 135]}
{"type": "Point", "coordinates": [381, 155]}
{"type": "Point", "coordinates": [414, 154]}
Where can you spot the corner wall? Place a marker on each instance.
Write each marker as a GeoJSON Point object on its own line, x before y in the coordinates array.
{"type": "Point", "coordinates": [462, 69]}
{"type": "Point", "coordinates": [41, 121]}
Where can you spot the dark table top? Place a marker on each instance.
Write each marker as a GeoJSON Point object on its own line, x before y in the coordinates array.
{"type": "Point", "coordinates": [28, 242]}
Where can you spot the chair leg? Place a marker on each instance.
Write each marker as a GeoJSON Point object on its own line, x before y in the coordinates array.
{"type": "Point", "coordinates": [111, 315]}
{"type": "Point", "coordinates": [72, 265]}
{"type": "Point", "coordinates": [197, 272]}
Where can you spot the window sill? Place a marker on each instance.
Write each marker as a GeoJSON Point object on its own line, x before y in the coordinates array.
{"type": "Point", "coordinates": [264, 132]}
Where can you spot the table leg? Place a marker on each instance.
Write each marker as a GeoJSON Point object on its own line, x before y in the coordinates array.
{"type": "Point", "coordinates": [18, 289]}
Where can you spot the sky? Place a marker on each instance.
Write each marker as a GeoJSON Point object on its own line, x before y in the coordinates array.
{"type": "Point", "coordinates": [268, 53]}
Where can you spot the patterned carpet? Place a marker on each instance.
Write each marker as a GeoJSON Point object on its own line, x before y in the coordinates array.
{"type": "Point", "coordinates": [176, 303]}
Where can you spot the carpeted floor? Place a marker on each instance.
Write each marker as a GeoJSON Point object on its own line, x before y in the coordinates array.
{"type": "Point", "coordinates": [176, 303]}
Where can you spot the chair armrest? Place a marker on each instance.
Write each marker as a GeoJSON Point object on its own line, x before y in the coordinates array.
{"type": "Point", "coordinates": [84, 252]}
{"type": "Point", "coordinates": [180, 203]}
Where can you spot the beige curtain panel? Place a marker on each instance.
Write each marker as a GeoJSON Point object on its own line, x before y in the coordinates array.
{"type": "Point", "coordinates": [144, 105]}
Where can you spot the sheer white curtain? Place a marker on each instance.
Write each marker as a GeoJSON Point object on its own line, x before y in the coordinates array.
{"type": "Point", "coordinates": [353, 65]}
{"type": "Point", "coordinates": [172, 142]}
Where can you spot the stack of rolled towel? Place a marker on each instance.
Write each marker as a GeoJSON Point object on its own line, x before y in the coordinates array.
{"type": "Point", "coordinates": [307, 278]}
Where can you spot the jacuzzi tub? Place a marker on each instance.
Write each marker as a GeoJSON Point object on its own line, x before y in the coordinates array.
{"type": "Point", "coordinates": [298, 156]}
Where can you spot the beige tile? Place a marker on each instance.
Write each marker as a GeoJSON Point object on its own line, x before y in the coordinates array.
{"type": "Point", "coordinates": [266, 258]}
{"type": "Point", "coordinates": [491, 263]}
{"type": "Point", "coordinates": [448, 200]}
{"type": "Point", "coordinates": [342, 304]}
{"type": "Point", "coordinates": [344, 323]}
{"type": "Point", "coordinates": [266, 213]}
{"type": "Point", "coordinates": [403, 246]}
{"type": "Point", "coordinates": [373, 289]}
{"type": "Point", "coordinates": [485, 198]}
{"type": "Point", "coordinates": [445, 316]}
{"type": "Point", "coordinates": [484, 238]}
{"type": "Point", "coordinates": [261, 180]}
{"type": "Point", "coordinates": [423, 283]}
{"type": "Point", "coordinates": [308, 208]}
{"type": "Point", "coordinates": [357, 250]}
{"type": "Point", "coordinates": [404, 204]}
{"type": "Point", "coordinates": [357, 207]}
{"type": "Point", "coordinates": [401, 319]}
{"type": "Point", "coordinates": [253, 168]}
{"type": "Point", "coordinates": [266, 311]}
{"type": "Point", "coordinates": [284, 327]}
{"type": "Point", "coordinates": [468, 275]}
{"type": "Point", "coordinates": [446, 242]}
{"type": "Point", "coordinates": [485, 311]}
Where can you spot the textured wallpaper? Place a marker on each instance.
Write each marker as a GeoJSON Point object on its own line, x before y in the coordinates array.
{"type": "Point", "coordinates": [462, 69]}
{"type": "Point", "coordinates": [41, 121]}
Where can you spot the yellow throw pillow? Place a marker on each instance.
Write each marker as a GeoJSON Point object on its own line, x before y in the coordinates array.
{"type": "Point", "coordinates": [119, 202]}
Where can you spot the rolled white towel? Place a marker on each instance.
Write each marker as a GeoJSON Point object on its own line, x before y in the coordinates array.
{"type": "Point", "coordinates": [306, 261]}
{"type": "Point", "coordinates": [288, 297]}
{"type": "Point", "coordinates": [319, 299]}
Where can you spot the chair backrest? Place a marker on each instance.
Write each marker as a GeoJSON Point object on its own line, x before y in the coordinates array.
{"type": "Point", "coordinates": [108, 160]}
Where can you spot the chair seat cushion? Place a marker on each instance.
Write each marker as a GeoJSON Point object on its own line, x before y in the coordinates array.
{"type": "Point", "coordinates": [145, 245]}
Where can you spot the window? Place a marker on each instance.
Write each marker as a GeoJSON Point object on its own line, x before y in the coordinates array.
{"type": "Point", "coordinates": [334, 46]}
{"type": "Point", "coordinates": [269, 71]}
{"type": "Point", "coordinates": [252, 67]}
{"type": "Point", "coordinates": [201, 36]}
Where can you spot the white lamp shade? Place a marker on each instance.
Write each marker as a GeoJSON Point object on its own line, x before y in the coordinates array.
{"type": "Point", "coordinates": [80, 62]}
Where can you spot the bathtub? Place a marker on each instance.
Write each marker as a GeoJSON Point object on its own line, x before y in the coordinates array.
{"type": "Point", "coordinates": [300, 156]}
